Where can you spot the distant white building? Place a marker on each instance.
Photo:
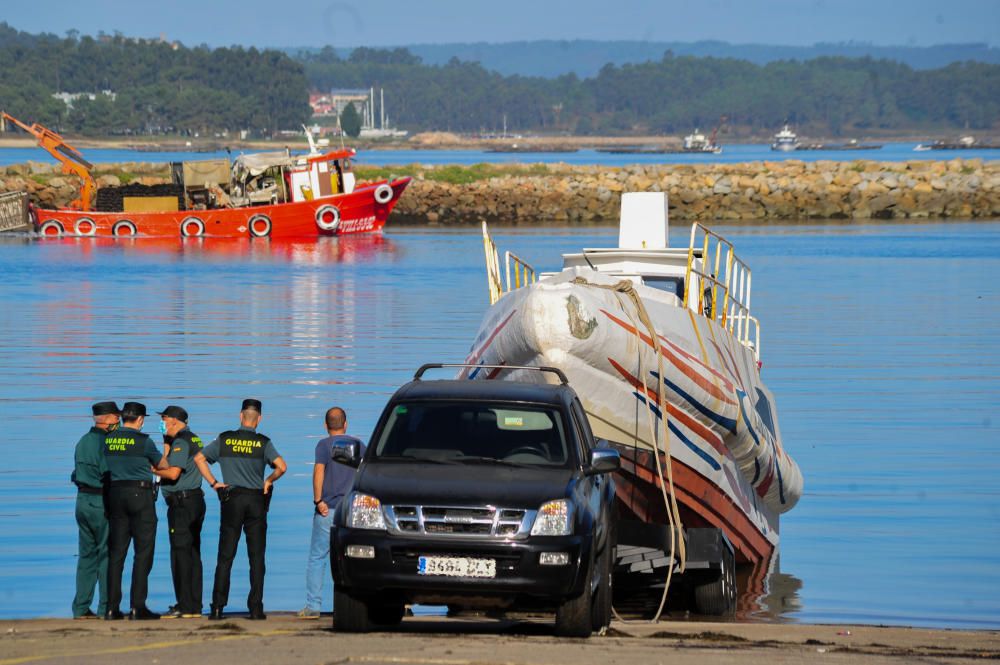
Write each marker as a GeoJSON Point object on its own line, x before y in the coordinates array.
{"type": "Point", "coordinates": [68, 98]}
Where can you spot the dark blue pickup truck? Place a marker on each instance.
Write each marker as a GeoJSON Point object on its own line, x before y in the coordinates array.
{"type": "Point", "coordinates": [477, 494]}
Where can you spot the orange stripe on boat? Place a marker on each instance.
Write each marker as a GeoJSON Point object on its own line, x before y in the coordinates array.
{"type": "Point", "coordinates": [685, 369]}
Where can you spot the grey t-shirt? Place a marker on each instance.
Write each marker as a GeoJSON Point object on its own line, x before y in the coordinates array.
{"type": "Point", "coordinates": [181, 454]}
{"type": "Point", "coordinates": [243, 455]}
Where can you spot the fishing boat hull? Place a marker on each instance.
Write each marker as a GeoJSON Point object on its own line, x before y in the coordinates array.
{"type": "Point", "coordinates": [723, 445]}
{"type": "Point", "coordinates": [363, 210]}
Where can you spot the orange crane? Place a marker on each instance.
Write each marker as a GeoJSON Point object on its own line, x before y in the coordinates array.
{"type": "Point", "coordinates": [72, 161]}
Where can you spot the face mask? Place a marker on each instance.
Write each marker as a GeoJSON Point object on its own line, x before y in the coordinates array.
{"type": "Point", "coordinates": [163, 427]}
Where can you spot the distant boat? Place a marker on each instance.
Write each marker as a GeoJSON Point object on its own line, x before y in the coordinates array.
{"type": "Point", "coordinates": [850, 145]}
{"type": "Point", "coordinates": [786, 140]}
{"type": "Point", "coordinates": [963, 143]}
{"type": "Point", "coordinates": [697, 142]}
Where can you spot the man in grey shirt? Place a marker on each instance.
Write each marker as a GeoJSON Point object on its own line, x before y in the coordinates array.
{"type": "Point", "coordinates": [331, 481]}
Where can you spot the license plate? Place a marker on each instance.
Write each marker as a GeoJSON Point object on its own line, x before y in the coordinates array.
{"type": "Point", "coordinates": [456, 566]}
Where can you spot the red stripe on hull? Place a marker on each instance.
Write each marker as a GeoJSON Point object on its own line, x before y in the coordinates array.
{"type": "Point", "coordinates": [684, 368]}
{"type": "Point", "coordinates": [702, 503]}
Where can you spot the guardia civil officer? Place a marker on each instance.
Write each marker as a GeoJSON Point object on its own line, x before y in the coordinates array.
{"type": "Point", "coordinates": [243, 456]}
{"type": "Point", "coordinates": [132, 512]}
{"type": "Point", "coordinates": [181, 487]}
{"type": "Point", "coordinates": [90, 475]}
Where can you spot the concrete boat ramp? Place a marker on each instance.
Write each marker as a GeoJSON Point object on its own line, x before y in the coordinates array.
{"type": "Point", "coordinates": [478, 641]}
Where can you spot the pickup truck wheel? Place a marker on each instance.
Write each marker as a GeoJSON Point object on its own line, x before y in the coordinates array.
{"type": "Point", "coordinates": [601, 611]}
{"type": "Point", "coordinates": [350, 614]}
{"type": "Point", "coordinates": [388, 615]}
{"type": "Point", "coordinates": [574, 618]}
{"type": "Point", "coordinates": [718, 596]}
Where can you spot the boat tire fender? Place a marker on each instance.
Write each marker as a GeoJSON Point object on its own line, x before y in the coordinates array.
{"type": "Point", "coordinates": [51, 227]}
{"type": "Point", "coordinates": [124, 227]}
{"type": "Point", "coordinates": [383, 194]}
{"type": "Point", "coordinates": [197, 232]}
{"type": "Point", "coordinates": [328, 218]}
{"type": "Point", "coordinates": [84, 226]}
{"type": "Point", "coordinates": [259, 225]}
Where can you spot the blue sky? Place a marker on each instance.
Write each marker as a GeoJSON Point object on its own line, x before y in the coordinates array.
{"type": "Point", "coordinates": [392, 22]}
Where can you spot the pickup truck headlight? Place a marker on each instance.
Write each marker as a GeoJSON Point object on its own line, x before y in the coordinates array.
{"type": "Point", "coordinates": [553, 519]}
{"type": "Point", "coordinates": [365, 513]}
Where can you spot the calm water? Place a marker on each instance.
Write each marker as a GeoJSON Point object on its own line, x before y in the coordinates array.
{"type": "Point", "coordinates": [890, 152]}
{"type": "Point", "coordinates": [881, 342]}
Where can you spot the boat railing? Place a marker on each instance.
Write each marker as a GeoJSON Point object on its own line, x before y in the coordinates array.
{"type": "Point", "coordinates": [492, 266]}
{"type": "Point", "coordinates": [524, 273]}
{"type": "Point", "coordinates": [518, 272]}
{"type": "Point", "coordinates": [725, 286]}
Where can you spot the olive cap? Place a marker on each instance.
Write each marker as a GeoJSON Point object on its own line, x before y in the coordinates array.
{"type": "Point", "coordinates": [105, 409]}
{"type": "Point", "coordinates": [133, 410]}
{"type": "Point", "coordinates": [174, 412]}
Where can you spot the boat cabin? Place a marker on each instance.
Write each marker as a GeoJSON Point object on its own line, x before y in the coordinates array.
{"type": "Point", "coordinates": [643, 255]}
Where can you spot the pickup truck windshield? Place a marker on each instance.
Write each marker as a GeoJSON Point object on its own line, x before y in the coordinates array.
{"type": "Point", "coordinates": [474, 433]}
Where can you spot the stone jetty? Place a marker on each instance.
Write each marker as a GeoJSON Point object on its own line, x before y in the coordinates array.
{"type": "Point", "coordinates": [561, 193]}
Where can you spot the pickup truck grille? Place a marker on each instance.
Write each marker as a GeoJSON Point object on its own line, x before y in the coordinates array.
{"type": "Point", "coordinates": [460, 521]}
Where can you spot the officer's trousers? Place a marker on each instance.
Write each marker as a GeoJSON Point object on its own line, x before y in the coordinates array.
{"type": "Point", "coordinates": [132, 517]}
{"type": "Point", "coordinates": [92, 564]}
{"type": "Point", "coordinates": [245, 510]}
{"type": "Point", "coordinates": [185, 517]}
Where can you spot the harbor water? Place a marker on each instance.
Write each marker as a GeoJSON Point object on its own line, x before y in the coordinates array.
{"type": "Point", "coordinates": [880, 341]}
{"type": "Point", "coordinates": [731, 154]}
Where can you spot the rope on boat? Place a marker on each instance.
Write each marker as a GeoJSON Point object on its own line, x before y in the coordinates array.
{"type": "Point", "coordinates": [678, 548]}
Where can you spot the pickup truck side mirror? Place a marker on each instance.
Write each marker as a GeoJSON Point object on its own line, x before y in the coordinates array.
{"type": "Point", "coordinates": [346, 452]}
{"type": "Point", "coordinates": [603, 459]}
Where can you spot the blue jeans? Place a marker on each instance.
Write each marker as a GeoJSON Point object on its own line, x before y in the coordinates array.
{"type": "Point", "coordinates": [318, 566]}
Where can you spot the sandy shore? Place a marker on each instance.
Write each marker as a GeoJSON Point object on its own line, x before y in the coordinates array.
{"type": "Point", "coordinates": [439, 641]}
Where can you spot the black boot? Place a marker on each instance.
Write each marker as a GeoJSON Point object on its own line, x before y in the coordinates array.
{"type": "Point", "coordinates": [142, 614]}
{"type": "Point", "coordinates": [113, 615]}
{"type": "Point", "coordinates": [216, 613]}
{"type": "Point", "coordinates": [257, 614]}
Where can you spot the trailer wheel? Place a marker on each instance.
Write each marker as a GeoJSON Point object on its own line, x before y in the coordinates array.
{"type": "Point", "coordinates": [574, 617]}
{"type": "Point", "coordinates": [718, 596]}
{"type": "Point", "coordinates": [350, 613]}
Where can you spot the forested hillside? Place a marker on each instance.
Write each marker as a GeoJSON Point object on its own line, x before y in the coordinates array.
{"type": "Point", "coordinates": [159, 87]}
{"type": "Point", "coordinates": [674, 94]}
{"type": "Point", "coordinates": [156, 87]}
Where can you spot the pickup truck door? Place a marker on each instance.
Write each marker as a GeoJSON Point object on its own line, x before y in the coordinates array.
{"type": "Point", "coordinates": [593, 487]}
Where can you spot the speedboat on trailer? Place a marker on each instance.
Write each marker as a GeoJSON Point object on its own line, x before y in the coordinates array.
{"type": "Point", "coordinates": [661, 346]}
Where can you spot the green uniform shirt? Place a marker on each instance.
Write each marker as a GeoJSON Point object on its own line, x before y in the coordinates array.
{"type": "Point", "coordinates": [182, 451]}
{"type": "Point", "coordinates": [89, 467]}
{"type": "Point", "coordinates": [129, 454]}
{"type": "Point", "coordinates": [243, 455]}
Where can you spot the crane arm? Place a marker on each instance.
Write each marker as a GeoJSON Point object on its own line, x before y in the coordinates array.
{"type": "Point", "coordinates": [73, 163]}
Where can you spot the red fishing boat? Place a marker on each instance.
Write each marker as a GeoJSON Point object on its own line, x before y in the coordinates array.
{"type": "Point", "coordinates": [275, 194]}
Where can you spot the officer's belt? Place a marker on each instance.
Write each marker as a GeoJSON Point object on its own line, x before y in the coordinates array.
{"type": "Point", "coordinates": [246, 490]}
{"type": "Point", "coordinates": [183, 494]}
{"type": "Point", "coordinates": [87, 489]}
{"type": "Point", "coordinates": [145, 484]}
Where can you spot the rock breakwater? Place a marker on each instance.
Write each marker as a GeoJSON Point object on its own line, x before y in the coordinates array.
{"type": "Point", "coordinates": [561, 193]}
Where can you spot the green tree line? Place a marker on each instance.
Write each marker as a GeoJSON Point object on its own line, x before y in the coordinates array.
{"type": "Point", "coordinates": [158, 88]}
{"type": "Point", "coordinates": [163, 88]}
{"type": "Point", "coordinates": [831, 95]}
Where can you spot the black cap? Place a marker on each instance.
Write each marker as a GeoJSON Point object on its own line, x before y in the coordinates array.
{"type": "Point", "coordinates": [252, 404]}
{"type": "Point", "coordinates": [133, 410]}
{"type": "Point", "coordinates": [174, 412]}
{"type": "Point", "coordinates": [105, 409]}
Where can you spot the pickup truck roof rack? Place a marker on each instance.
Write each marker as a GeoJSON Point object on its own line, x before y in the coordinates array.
{"type": "Point", "coordinates": [555, 370]}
